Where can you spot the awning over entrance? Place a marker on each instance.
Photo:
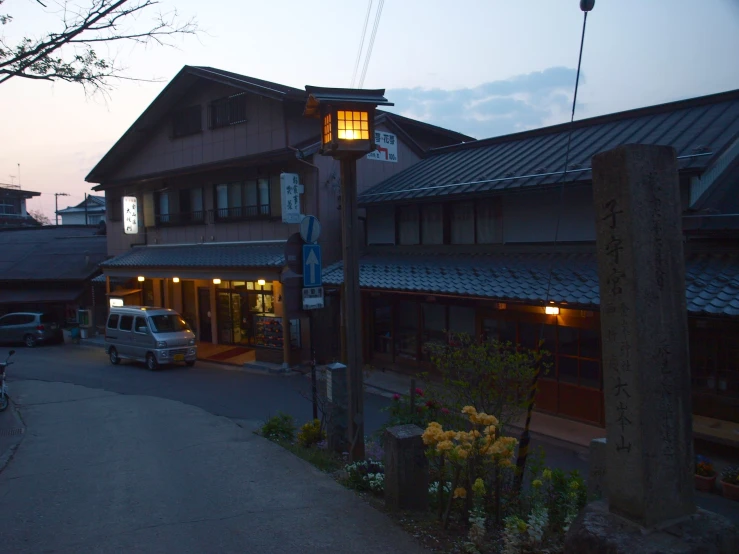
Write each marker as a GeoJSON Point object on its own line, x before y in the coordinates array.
{"type": "Point", "coordinates": [712, 280]}
{"type": "Point", "coordinates": [41, 296]}
{"type": "Point", "coordinates": [198, 260]}
{"type": "Point", "coordinates": [216, 255]}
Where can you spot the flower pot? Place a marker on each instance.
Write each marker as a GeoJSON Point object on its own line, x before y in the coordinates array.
{"type": "Point", "coordinates": [730, 491]}
{"type": "Point", "coordinates": [705, 484]}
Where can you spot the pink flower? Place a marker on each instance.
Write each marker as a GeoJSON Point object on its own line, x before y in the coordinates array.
{"type": "Point", "coordinates": [396, 397]}
{"type": "Point", "coordinates": [445, 410]}
{"type": "Point", "coordinates": [419, 392]}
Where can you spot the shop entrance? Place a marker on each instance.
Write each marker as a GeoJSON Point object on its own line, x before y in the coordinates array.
{"type": "Point", "coordinates": [246, 315]}
{"type": "Point", "coordinates": [206, 333]}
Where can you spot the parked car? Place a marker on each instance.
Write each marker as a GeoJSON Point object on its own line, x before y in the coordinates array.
{"type": "Point", "coordinates": [30, 328]}
{"type": "Point", "coordinates": [152, 335]}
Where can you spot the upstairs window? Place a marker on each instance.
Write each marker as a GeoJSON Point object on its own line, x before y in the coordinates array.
{"type": "Point", "coordinates": [187, 121]}
{"type": "Point", "coordinates": [242, 200]}
{"type": "Point", "coordinates": [227, 111]}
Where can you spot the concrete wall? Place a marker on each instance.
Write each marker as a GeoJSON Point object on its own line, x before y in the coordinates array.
{"type": "Point", "coordinates": [79, 218]}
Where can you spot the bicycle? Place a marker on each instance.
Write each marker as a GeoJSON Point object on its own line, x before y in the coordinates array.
{"type": "Point", "coordinates": [4, 399]}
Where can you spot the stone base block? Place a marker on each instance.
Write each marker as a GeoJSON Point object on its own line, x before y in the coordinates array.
{"type": "Point", "coordinates": [597, 531]}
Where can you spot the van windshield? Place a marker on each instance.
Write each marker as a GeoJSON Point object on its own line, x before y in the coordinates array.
{"type": "Point", "coordinates": [168, 323]}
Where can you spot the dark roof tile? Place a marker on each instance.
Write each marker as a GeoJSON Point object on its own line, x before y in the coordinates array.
{"type": "Point", "coordinates": [499, 276]}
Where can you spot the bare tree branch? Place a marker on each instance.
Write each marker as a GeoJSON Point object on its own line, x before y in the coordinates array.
{"type": "Point", "coordinates": [70, 55]}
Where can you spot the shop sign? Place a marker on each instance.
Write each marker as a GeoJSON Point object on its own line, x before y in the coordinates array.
{"type": "Point", "coordinates": [387, 147]}
{"type": "Point", "coordinates": [312, 298]}
{"type": "Point", "coordinates": [290, 191]}
{"type": "Point", "coordinates": [130, 215]}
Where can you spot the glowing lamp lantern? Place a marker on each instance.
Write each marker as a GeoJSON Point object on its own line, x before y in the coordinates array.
{"type": "Point", "coordinates": [175, 279]}
{"type": "Point", "coordinates": [261, 282]}
{"type": "Point", "coordinates": [347, 119]}
{"type": "Point", "coordinates": [216, 281]}
{"type": "Point", "coordinates": [551, 310]}
{"type": "Point", "coordinates": [141, 278]}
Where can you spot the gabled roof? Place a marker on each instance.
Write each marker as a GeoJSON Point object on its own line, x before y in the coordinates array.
{"type": "Point", "coordinates": [187, 78]}
{"type": "Point", "coordinates": [700, 130]}
{"type": "Point", "coordinates": [51, 253]}
{"type": "Point", "coordinates": [16, 191]}
{"type": "Point", "coordinates": [712, 280]}
{"type": "Point", "coordinates": [95, 204]}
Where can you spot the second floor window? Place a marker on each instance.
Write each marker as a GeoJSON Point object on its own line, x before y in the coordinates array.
{"type": "Point", "coordinates": [242, 199]}
{"type": "Point", "coordinates": [181, 207]}
{"type": "Point", "coordinates": [187, 121]}
{"type": "Point", "coordinates": [227, 111]}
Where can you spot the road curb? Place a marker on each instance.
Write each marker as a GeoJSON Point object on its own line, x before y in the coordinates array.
{"type": "Point", "coordinates": [7, 456]}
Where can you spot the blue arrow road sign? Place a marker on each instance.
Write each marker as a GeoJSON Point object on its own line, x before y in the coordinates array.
{"type": "Point", "coordinates": [312, 265]}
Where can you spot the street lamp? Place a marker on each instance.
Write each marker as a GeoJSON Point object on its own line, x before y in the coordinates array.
{"type": "Point", "coordinates": [347, 133]}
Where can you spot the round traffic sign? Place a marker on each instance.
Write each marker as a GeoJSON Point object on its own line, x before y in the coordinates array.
{"type": "Point", "coordinates": [310, 229]}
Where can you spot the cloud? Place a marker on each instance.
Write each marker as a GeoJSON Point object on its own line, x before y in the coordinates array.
{"type": "Point", "coordinates": [494, 108]}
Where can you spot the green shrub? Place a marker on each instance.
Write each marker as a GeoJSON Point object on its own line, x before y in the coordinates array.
{"type": "Point", "coordinates": [279, 427]}
{"type": "Point", "coordinates": [310, 434]}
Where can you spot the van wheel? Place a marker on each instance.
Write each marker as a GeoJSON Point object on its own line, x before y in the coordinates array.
{"type": "Point", "coordinates": [29, 341]}
{"type": "Point", "coordinates": [113, 355]}
{"type": "Point", "coordinates": [151, 362]}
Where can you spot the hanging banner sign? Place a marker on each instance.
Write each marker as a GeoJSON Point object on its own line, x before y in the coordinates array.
{"type": "Point", "coordinates": [290, 191]}
{"type": "Point", "coordinates": [130, 215]}
{"type": "Point", "coordinates": [387, 147]}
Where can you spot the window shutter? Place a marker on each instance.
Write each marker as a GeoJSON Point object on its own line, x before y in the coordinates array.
{"type": "Point", "coordinates": [275, 198]}
{"type": "Point", "coordinates": [149, 214]}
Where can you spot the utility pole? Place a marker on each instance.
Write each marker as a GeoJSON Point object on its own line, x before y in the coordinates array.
{"type": "Point", "coordinates": [56, 204]}
{"type": "Point", "coordinates": [87, 221]}
{"type": "Point", "coordinates": [19, 175]}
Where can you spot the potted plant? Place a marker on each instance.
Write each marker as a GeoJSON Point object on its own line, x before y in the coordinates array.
{"type": "Point", "coordinates": [705, 474]}
{"type": "Point", "coordinates": [730, 482]}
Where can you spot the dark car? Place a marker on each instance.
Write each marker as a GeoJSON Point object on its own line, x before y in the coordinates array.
{"type": "Point", "coordinates": [30, 328]}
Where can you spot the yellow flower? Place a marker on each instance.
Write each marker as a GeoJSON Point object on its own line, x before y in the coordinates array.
{"type": "Point", "coordinates": [461, 453]}
{"type": "Point", "coordinates": [460, 492]}
{"type": "Point", "coordinates": [536, 483]}
{"type": "Point", "coordinates": [522, 526]}
{"type": "Point", "coordinates": [574, 485]}
{"type": "Point", "coordinates": [505, 462]}
{"type": "Point", "coordinates": [449, 435]}
{"type": "Point", "coordinates": [479, 487]}
{"type": "Point", "coordinates": [475, 433]}
{"type": "Point", "coordinates": [491, 430]}
{"type": "Point", "coordinates": [489, 420]}
{"type": "Point", "coordinates": [469, 410]}
{"type": "Point", "coordinates": [444, 445]}
{"type": "Point", "coordinates": [546, 474]}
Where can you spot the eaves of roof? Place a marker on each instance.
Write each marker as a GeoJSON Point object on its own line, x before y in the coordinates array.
{"type": "Point", "coordinates": [252, 159]}
{"type": "Point", "coordinates": [712, 280]}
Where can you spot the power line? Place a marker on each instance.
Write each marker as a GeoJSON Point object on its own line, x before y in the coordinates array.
{"type": "Point", "coordinates": [367, 57]}
{"type": "Point", "coordinates": [361, 44]}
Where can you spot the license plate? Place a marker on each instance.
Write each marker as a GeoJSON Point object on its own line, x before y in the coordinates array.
{"type": "Point", "coordinates": [179, 357]}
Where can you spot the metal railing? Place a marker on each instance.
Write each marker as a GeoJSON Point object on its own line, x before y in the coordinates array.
{"type": "Point", "coordinates": [240, 212]}
{"type": "Point", "coordinates": [181, 218]}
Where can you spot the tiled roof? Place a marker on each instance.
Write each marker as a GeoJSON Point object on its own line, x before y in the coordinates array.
{"type": "Point", "coordinates": [699, 129]}
{"type": "Point", "coordinates": [50, 253]}
{"type": "Point", "coordinates": [712, 280]}
{"type": "Point", "coordinates": [202, 255]}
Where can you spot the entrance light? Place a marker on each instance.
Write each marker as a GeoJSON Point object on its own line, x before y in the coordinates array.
{"type": "Point", "coordinates": [261, 282]}
{"type": "Point", "coordinates": [216, 281]}
{"type": "Point", "coordinates": [175, 279]}
{"type": "Point", "coordinates": [141, 278]}
{"type": "Point", "coordinates": [551, 310]}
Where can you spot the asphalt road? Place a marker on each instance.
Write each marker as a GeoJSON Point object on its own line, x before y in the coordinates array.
{"type": "Point", "coordinates": [236, 394]}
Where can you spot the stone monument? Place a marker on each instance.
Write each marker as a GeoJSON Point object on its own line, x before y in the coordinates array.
{"type": "Point", "coordinates": [646, 372]}
{"type": "Point", "coordinates": [406, 469]}
{"type": "Point", "coordinates": [336, 407]}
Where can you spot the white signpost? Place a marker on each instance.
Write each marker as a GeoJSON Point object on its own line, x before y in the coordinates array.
{"type": "Point", "coordinates": [387, 147]}
{"type": "Point", "coordinates": [130, 215]}
{"type": "Point", "coordinates": [290, 191]}
{"type": "Point", "coordinates": [312, 298]}
{"type": "Point", "coordinates": [310, 229]}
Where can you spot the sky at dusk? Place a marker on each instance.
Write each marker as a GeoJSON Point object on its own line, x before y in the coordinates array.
{"type": "Point", "coordinates": [481, 67]}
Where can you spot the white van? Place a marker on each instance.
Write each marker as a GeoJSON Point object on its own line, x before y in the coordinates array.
{"type": "Point", "coordinates": [152, 335]}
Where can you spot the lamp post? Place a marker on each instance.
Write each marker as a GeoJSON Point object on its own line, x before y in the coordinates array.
{"type": "Point", "coordinates": [347, 133]}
